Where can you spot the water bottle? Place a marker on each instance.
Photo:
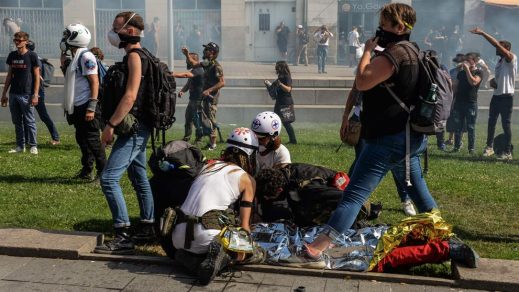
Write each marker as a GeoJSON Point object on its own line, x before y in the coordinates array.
{"type": "Point", "coordinates": [165, 166]}
{"type": "Point", "coordinates": [428, 103]}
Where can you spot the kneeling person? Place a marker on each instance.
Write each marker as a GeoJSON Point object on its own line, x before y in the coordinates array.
{"type": "Point", "coordinates": [219, 186]}
{"type": "Point", "coordinates": [305, 194]}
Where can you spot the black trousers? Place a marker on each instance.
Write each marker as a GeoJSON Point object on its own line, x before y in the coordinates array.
{"type": "Point", "coordinates": [89, 141]}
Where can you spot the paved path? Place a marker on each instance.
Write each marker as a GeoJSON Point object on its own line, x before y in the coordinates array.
{"type": "Point", "coordinates": [43, 274]}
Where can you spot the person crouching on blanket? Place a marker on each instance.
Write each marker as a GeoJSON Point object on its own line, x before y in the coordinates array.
{"type": "Point", "coordinates": [206, 211]}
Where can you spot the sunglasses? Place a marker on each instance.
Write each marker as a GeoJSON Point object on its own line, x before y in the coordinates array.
{"type": "Point", "coordinates": [18, 40]}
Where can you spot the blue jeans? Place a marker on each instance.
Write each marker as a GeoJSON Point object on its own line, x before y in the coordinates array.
{"type": "Point", "coordinates": [378, 157]}
{"type": "Point", "coordinates": [128, 153]}
{"type": "Point", "coordinates": [45, 118]}
{"type": "Point", "coordinates": [22, 113]}
{"type": "Point", "coordinates": [466, 113]}
{"type": "Point", "coordinates": [500, 105]}
{"type": "Point", "coordinates": [400, 185]}
{"type": "Point", "coordinates": [322, 53]}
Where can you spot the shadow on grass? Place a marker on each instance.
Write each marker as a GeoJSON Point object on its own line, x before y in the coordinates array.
{"type": "Point", "coordinates": [16, 179]}
{"type": "Point", "coordinates": [66, 147]}
{"type": "Point", "coordinates": [461, 157]}
{"type": "Point", "coordinates": [95, 225]}
{"type": "Point", "coordinates": [502, 238]}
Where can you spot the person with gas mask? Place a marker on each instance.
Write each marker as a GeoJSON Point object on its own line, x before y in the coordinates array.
{"type": "Point", "coordinates": [383, 127]}
{"type": "Point", "coordinates": [79, 67]}
{"type": "Point", "coordinates": [267, 126]}
{"type": "Point", "coordinates": [128, 151]}
{"type": "Point", "coordinates": [195, 85]}
{"type": "Point", "coordinates": [502, 100]}
{"type": "Point", "coordinates": [213, 82]}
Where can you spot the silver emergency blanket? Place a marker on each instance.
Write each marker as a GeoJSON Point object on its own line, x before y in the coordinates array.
{"type": "Point", "coordinates": [352, 250]}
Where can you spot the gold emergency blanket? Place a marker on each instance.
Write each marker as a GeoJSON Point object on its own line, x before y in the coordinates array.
{"type": "Point", "coordinates": [422, 227]}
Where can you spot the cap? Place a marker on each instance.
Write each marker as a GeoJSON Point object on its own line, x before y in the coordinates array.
{"type": "Point", "coordinates": [459, 58]}
{"type": "Point", "coordinates": [212, 46]}
{"type": "Point", "coordinates": [299, 26]}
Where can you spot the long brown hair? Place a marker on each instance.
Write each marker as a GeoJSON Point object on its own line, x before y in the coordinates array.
{"type": "Point", "coordinates": [282, 69]}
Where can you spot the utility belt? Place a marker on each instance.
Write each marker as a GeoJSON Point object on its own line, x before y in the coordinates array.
{"type": "Point", "coordinates": [213, 219]}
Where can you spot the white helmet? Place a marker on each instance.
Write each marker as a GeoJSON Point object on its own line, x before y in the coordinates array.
{"type": "Point", "coordinates": [77, 35]}
{"type": "Point", "coordinates": [243, 139]}
{"type": "Point", "coordinates": [267, 123]}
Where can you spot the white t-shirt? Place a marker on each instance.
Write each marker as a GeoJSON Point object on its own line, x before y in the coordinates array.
{"type": "Point", "coordinates": [278, 156]}
{"type": "Point", "coordinates": [505, 76]}
{"type": "Point", "coordinates": [353, 39]}
{"type": "Point", "coordinates": [318, 36]}
{"type": "Point", "coordinates": [82, 91]}
{"type": "Point", "coordinates": [210, 191]}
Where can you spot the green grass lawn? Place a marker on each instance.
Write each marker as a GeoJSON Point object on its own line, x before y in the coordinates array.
{"type": "Point", "coordinates": [479, 197]}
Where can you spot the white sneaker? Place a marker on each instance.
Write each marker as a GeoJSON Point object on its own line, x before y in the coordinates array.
{"type": "Point", "coordinates": [408, 208]}
{"type": "Point", "coordinates": [34, 150]}
{"type": "Point", "coordinates": [505, 156]}
{"type": "Point", "coordinates": [18, 149]}
{"type": "Point", "coordinates": [489, 151]}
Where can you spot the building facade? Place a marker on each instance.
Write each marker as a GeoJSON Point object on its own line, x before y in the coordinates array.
{"type": "Point", "coordinates": [245, 29]}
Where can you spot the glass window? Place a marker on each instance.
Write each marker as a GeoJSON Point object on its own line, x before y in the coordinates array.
{"type": "Point", "coordinates": [132, 4]}
{"type": "Point", "coordinates": [9, 3]}
{"type": "Point", "coordinates": [264, 22]}
{"type": "Point", "coordinates": [31, 3]}
{"type": "Point", "coordinates": [53, 3]}
{"type": "Point", "coordinates": [184, 4]}
{"type": "Point", "coordinates": [108, 4]}
{"type": "Point", "coordinates": [209, 4]}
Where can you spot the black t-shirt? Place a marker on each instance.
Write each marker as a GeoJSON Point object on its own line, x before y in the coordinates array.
{"type": "Point", "coordinates": [466, 91]}
{"type": "Point", "coordinates": [284, 98]}
{"type": "Point", "coordinates": [381, 114]}
{"type": "Point", "coordinates": [196, 84]}
{"type": "Point", "coordinates": [22, 69]}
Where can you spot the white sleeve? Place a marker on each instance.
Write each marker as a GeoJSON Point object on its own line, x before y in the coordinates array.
{"type": "Point", "coordinates": [282, 155]}
{"type": "Point", "coordinates": [88, 64]}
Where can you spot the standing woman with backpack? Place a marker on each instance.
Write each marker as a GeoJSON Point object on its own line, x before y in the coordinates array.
{"type": "Point", "coordinates": [284, 106]}
{"type": "Point", "coordinates": [383, 125]}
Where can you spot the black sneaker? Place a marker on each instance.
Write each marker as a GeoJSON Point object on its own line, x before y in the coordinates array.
{"type": "Point", "coordinates": [216, 260]}
{"type": "Point", "coordinates": [121, 245]}
{"type": "Point", "coordinates": [375, 210]}
{"type": "Point", "coordinates": [463, 254]}
{"type": "Point", "coordinates": [145, 233]}
{"type": "Point", "coordinates": [85, 175]}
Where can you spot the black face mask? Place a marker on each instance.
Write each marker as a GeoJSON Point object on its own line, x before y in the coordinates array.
{"type": "Point", "coordinates": [128, 39]}
{"type": "Point", "coordinates": [189, 66]}
{"type": "Point", "coordinates": [386, 37]}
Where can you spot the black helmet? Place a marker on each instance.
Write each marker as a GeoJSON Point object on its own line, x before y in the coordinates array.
{"type": "Point", "coordinates": [30, 45]}
{"type": "Point", "coordinates": [212, 47]}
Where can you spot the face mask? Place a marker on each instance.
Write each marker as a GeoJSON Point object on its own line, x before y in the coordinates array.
{"type": "Point", "coordinates": [386, 37]}
{"type": "Point", "coordinates": [205, 63]}
{"type": "Point", "coordinates": [189, 66]}
{"type": "Point", "coordinates": [120, 40]}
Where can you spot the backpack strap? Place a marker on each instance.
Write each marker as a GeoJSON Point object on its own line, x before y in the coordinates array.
{"type": "Point", "coordinates": [407, 134]}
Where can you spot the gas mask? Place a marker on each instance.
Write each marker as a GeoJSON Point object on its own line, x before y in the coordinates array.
{"type": "Point", "coordinates": [63, 46]}
{"type": "Point", "coordinates": [386, 37]}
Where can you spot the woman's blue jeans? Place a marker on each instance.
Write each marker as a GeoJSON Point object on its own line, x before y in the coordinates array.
{"type": "Point", "coordinates": [378, 157]}
{"type": "Point", "coordinates": [128, 153]}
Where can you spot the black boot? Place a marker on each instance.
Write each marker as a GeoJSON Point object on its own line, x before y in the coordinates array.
{"type": "Point", "coordinates": [216, 260]}
{"type": "Point", "coordinates": [145, 233]}
{"type": "Point", "coordinates": [120, 245]}
{"type": "Point", "coordinates": [463, 254]}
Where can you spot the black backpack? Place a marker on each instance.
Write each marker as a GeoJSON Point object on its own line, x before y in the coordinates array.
{"type": "Point", "coordinates": [158, 95]}
{"type": "Point", "coordinates": [174, 166]}
{"type": "Point", "coordinates": [305, 39]}
{"type": "Point", "coordinates": [430, 73]}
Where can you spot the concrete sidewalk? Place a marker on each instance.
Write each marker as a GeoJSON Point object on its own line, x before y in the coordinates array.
{"type": "Point", "coordinates": [30, 262]}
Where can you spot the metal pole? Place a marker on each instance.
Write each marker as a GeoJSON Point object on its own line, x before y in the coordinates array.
{"type": "Point", "coordinates": [171, 36]}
